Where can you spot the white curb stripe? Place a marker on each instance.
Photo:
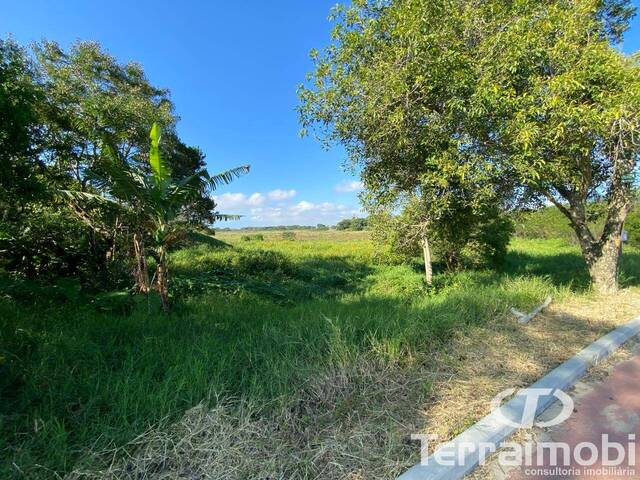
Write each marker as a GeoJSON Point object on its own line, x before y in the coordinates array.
{"type": "Point", "coordinates": [492, 430]}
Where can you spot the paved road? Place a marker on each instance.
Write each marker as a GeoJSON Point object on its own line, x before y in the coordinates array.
{"type": "Point", "coordinates": [610, 408]}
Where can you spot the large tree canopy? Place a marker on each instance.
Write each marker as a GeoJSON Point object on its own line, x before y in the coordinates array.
{"type": "Point", "coordinates": [59, 109]}
{"type": "Point", "coordinates": [90, 96]}
{"type": "Point", "coordinates": [19, 126]}
{"type": "Point", "coordinates": [532, 93]}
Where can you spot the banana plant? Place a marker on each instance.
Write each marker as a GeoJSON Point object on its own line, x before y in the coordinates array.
{"type": "Point", "coordinates": [156, 202]}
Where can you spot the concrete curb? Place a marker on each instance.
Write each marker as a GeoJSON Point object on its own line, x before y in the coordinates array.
{"type": "Point", "coordinates": [493, 430]}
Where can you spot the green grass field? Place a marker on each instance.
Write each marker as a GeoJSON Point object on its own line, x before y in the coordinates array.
{"type": "Point", "coordinates": [253, 320]}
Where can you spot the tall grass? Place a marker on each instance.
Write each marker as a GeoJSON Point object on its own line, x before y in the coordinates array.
{"type": "Point", "coordinates": [252, 320]}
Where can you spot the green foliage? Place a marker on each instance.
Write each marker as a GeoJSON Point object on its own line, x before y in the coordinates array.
{"type": "Point", "coordinates": [47, 242]}
{"type": "Point", "coordinates": [89, 94]}
{"type": "Point", "coordinates": [489, 239]}
{"type": "Point", "coordinates": [356, 224]}
{"type": "Point", "coordinates": [260, 262]}
{"type": "Point", "coordinates": [464, 238]}
{"type": "Point", "coordinates": [154, 202]}
{"type": "Point", "coordinates": [394, 238]}
{"type": "Point", "coordinates": [258, 237]}
{"type": "Point", "coordinates": [288, 235]}
{"type": "Point", "coordinates": [546, 223]}
{"type": "Point", "coordinates": [527, 99]}
{"type": "Point", "coordinates": [20, 139]}
{"type": "Point", "coordinates": [159, 167]}
{"type": "Point", "coordinates": [633, 228]}
{"type": "Point", "coordinates": [259, 336]}
{"type": "Point", "coordinates": [64, 115]}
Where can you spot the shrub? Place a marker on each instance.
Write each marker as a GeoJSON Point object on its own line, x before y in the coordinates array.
{"type": "Point", "coordinates": [288, 235]}
{"type": "Point", "coordinates": [253, 262]}
{"type": "Point", "coordinates": [471, 239]}
{"type": "Point", "coordinates": [390, 235]}
{"type": "Point", "coordinates": [49, 243]}
{"type": "Point", "coordinates": [488, 244]}
{"type": "Point", "coordinates": [258, 237]}
{"type": "Point", "coordinates": [356, 224]}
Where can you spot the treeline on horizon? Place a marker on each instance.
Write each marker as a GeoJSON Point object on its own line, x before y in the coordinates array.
{"type": "Point", "coordinates": [543, 223]}
{"type": "Point", "coordinates": [354, 223]}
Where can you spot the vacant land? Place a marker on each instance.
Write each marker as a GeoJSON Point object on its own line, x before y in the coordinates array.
{"type": "Point", "coordinates": [284, 357]}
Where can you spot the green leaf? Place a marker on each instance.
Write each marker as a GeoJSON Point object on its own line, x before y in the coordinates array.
{"type": "Point", "coordinates": [227, 176]}
{"type": "Point", "coordinates": [159, 168]}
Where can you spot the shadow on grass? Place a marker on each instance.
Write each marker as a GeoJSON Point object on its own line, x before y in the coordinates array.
{"type": "Point", "coordinates": [568, 269]}
{"type": "Point", "coordinates": [80, 373]}
{"type": "Point", "coordinates": [269, 274]}
{"type": "Point", "coordinates": [243, 346]}
{"type": "Point", "coordinates": [195, 238]}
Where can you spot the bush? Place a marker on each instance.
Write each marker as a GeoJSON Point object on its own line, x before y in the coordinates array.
{"type": "Point", "coordinates": [472, 239]}
{"type": "Point", "coordinates": [288, 235]}
{"type": "Point", "coordinates": [49, 243]}
{"type": "Point", "coordinates": [258, 237]}
{"type": "Point", "coordinates": [488, 244]}
{"type": "Point", "coordinates": [255, 262]}
{"type": "Point", "coordinates": [391, 237]}
{"type": "Point", "coordinates": [355, 224]}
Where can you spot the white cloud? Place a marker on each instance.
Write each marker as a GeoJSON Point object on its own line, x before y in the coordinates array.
{"type": "Point", "coordinates": [255, 199]}
{"type": "Point", "coordinates": [303, 213]}
{"type": "Point", "coordinates": [280, 195]}
{"type": "Point", "coordinates": [276, 208]}
{"type": "Point", "coordinates": [349, 186]}
{"type": "Point", "coordinates": [232, 201]}
{"type": "Point", "coordinates": [302, 206]}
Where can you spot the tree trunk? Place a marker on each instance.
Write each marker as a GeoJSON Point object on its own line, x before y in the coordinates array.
{"type": "Point", "coordinates": [428, 269]}
{"type": "Point", "coordinates": [604, 264]}
{"type": "Point", "coordinates": [451, 260]}
{"type": "Point", "coordinates": [163, 280]}
{"type": "Point", "coordinates": [602, 254]}
{"type": "Point", "coordinates": [111, 250]}
{"type": "Point", "coordinates": [141, 272]}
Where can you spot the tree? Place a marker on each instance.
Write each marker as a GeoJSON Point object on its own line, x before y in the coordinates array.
{"type": "Point", "coordinates": [19, 129]}
{"type": "Point", "coordinates": [400, 238]}
{"type": "Point", "coordinates": [353, 223]}
{"type": "Point", "coordinates": [183, 161]}
{"type": "Point", "coordinates": [463, 234]}
{"type": "Point", "coordinates": [154, 200]}
{"type": "Point", "coordinates": [532, 93]}
{"type": "Point", "coordinates": [567, 115]}
{"type": "Point", "coordinates": [58, 110]}
{"type": "Point", "coordinates": [91, 97]}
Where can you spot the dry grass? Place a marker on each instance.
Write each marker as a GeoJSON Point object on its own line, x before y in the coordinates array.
{"type": "Point", "coordinates": [505, 354]}
{"type": "Point", "coordinates": [349, 423]}
{"type": "Point", "coordinates": [596, 374]}
{"type": "Point", "coordinates": [355, 422]}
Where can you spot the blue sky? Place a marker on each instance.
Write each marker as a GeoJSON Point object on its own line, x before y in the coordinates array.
{"type": "Point", "coordinates": [232, 69]}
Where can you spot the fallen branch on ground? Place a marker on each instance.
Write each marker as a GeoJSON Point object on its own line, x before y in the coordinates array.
{"type": "Point", "coordinates": [527, 317]}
